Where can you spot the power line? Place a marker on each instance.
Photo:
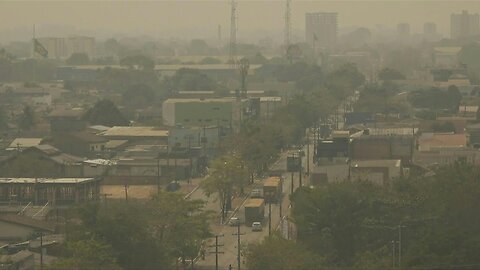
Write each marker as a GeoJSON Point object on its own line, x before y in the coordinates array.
{"type": "Point", "coordinates": [216, 250]}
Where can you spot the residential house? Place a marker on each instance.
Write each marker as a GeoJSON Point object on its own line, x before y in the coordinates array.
{"type": "Point", "coordinates": [473, 132]}
{"type": "Point", "coordinates": [20, 144]}
{"type": "Point", "coordinates": [54, 191]}
{"type": "Point", "coordinates": [41, 161]}
{"type": "Point", "coordinates": [375, 147]}
{"type": "Point", "coordinates": [136, 135]}
{"type": "Point", "coordinates": [469, 112]}
{"type": "Point", "coordinates": [441, 141]}
{"type": "Point", "coordinates": [81, 143]}
{"type": "Point", "coordinates": [377, 171]}
{"type": "Point", "coordinates": [67, 120]}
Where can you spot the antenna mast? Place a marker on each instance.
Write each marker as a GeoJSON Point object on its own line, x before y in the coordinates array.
{"type": "Point", "coordinates": [233, 34]}
{"type": "Point", "coordinates": [288, 25]}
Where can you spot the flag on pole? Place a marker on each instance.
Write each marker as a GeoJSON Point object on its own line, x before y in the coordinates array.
{"type": "Point", "coordinates": [38, 48]}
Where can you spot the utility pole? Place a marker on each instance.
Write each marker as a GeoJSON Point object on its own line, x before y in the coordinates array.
{"type": "Point", "coordinates": [158, 175]}
{"type": "Point", "coordinates": [233, 34]}
{"type": "Point", "coordinates": [280, 204]}
{"type": "Point", "coordinates": [105, 195]}
{"type": "Point", "coordinates": [393, 253]}
{"type": "Point", "coordinates": [41, 250]}
{"type": "Point", "coordinates": [300, 170]}
{"type": "Point", "coordinates": [288, 25]}
{"type": "Point", "coordinates": [308, 152]}
{"type": "Point", "coordinates": [238, 234]}
{"type": "Point", "coordinates": [216, 250]}
{"type": "Point", "coordinates": [400, 245]}
{"type": "Point", "coordinates": [291, 192]}
{"type": "Point", "coordinates": [269, 218]}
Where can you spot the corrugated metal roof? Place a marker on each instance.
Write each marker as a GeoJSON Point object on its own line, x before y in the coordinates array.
{"type": "Point", "coordinates": [45, 180]}
{"type": "Point", "coordinates": [254, 203]}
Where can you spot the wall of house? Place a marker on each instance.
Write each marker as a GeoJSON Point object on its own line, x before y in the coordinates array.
{"type": "Point", "coordinates": [373, 148]}
{"type": "Point", "coordinates": [11, 231]}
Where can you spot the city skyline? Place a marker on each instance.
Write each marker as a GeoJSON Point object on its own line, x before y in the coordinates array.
{"type": "Point", "coordinates": [156, 19]}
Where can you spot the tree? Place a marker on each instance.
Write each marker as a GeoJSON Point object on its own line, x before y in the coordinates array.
{"type": "Point", "coordinates": [191, 80]}
{"type": "Point", "coordinates": [226, 176]}
{"type": "Point", "coordinates": [27, 119]}
{"type": "Point", "coordinates": [144, 234]}
{"type": "Point", "coordinates": [390, 74]}
{"type": "Point", "coordinates": [276, 253]}
{"type": "Point", "coordinates": [78, 59]}
{"type": "Point", "coordinates": [470, 55]}
{"type": "Point", "coordinates": [138, 96]}
{"type": "Point", "coordinates": [199, 47]}
{"type": "Point", "coordinates": [104, 112]}
{"type": "Point", "coordinates": [112, 47]}
{"type": "Point", "coordinates": [87, 254]}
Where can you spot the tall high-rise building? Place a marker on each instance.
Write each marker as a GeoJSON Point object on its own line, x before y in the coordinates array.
{"type": "Point", "coordinates": [430, 32]}
{"type": "Point", "coordinates": [321, 29]}
{"type": "Point", "coordinates": [464, 25]}
{"type": "Point", "coordinates": [80, 44]}
{"type": "Point", "coordinates": [403, 29]}
{"type": "Point", "coordinates": [429, 28]}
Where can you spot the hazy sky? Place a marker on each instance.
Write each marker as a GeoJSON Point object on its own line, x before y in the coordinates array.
{"type": "Point", "coordinates": [197, 18]}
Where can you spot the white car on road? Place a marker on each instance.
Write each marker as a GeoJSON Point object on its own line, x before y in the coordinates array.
{"type": "Point", "coordinates": [256, 226]}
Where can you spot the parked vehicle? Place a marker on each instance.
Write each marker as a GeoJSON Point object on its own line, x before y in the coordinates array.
{"type": "Point", "coordinates": [256, 226]}
{"type": "Point", "coordinates": [272, 189]}
{"type": "Point", "coordinates": [254, 210]}
{"type": "Point", "coordinates": [234, 221]}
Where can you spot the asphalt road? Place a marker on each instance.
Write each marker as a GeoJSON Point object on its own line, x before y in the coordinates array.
{"type": "Point", "coordinates": [228, 238]}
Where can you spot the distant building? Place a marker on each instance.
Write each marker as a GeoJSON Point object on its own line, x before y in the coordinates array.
{"type": "Point", "coordinates": [67, 120]}
{"type": "Point", "coordinates": [41, 161]}
{"type": "Point", "coordinates": [446, 57]}
{"type": "Point", "coordinates": [62, 48]}
{"type": "Point", "coordinates": [464, 25]}
{"type": "Point", "coordinates": [403, 30]}
{"type": "Point", "coordinates": [430, 32]}
{"type": "Point", "coordinates": [20, 144]}
{"type": "Point", "coordinates": [321, 29]}
{"type": "Point", "coordinates": [429, 28]}
{"type": "Point", "coordinates": [223, 112]}
{"type": "Point", "coordinates": [375, 147]}
{"type": "Point", "coordinates": [441, 141]}
{"type": "Point", "coordinates": [136, 135]}
{"type": "Point", "coordinates": [79, 44]}
{"type": "Point", "coordinates": [376, 171]}
{"type": "Point", "coordinates": [55, 191]}
{"type": "Point", "coordinates": [80, 143]}
{"type": "Point", "coordinates": [55, 46]}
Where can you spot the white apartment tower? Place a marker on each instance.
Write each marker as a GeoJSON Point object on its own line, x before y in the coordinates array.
{"type": "Point", "coordinates": [62, 48]}
{"type": "Point", "coordinates": [321, 29]}
{"type": "Point", "coordinates": [464, 25]}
